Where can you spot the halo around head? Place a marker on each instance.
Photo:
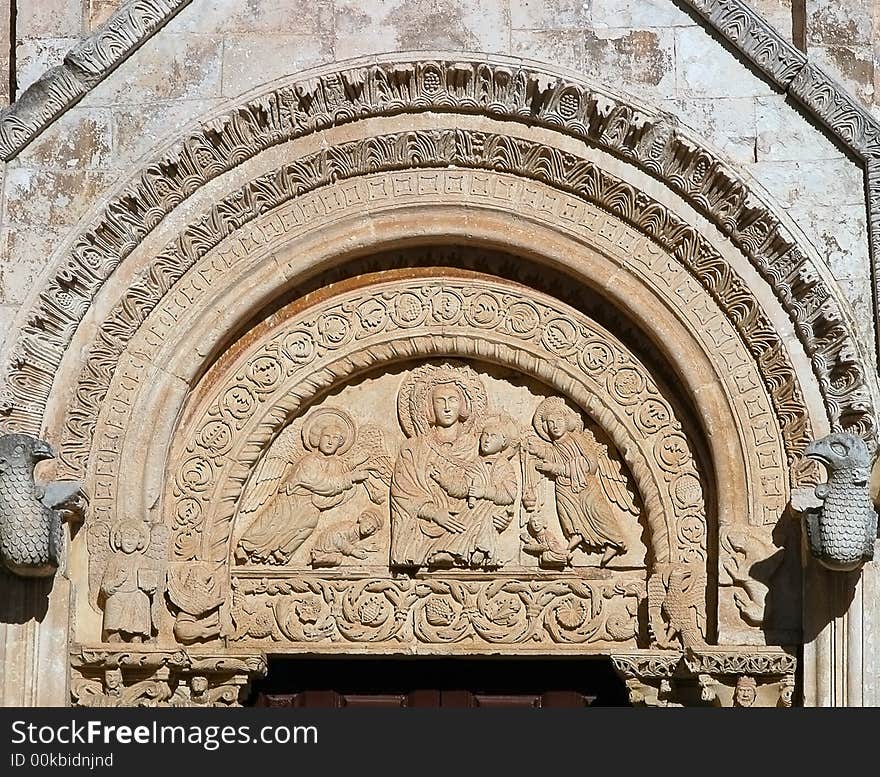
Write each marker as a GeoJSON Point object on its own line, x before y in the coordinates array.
{"type": "Point", "coordinates": [412, 399]}
{"type": "Point", "coordinates": [555, 404]}
{"type": "Point", "coordinates": [126, 525]}
{"type": "Point", "coordinates": [324, 416]}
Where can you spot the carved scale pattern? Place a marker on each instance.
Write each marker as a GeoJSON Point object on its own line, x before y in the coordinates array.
{"type": "Point", "coordinates": [506, 91]}
{"type": "Point", "coordinates": [430, 149]}
{"type": "Point", "coordinates": [296, 362]}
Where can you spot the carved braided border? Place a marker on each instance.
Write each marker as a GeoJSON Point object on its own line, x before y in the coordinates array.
{"type": "Point", "coordinates": [427, 149]}
{"type": "Point", "coordinates": [508, 91]}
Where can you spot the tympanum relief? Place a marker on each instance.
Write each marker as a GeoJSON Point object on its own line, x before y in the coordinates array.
{"type": "Point", "coordinates": [447, 502]}
{"type": "Point", "coordinates": [457, 483]}
{"type": "Point", "coordinates": [342, 479]}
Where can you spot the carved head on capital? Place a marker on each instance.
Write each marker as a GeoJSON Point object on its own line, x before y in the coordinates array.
{"type": "Point", "coordinates": [745, 692]}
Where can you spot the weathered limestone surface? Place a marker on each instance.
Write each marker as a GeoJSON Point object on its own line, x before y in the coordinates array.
{"type": "Point", "coordinates": [201, 64]}
{"type": "Point", "coordinates": [216, 49]}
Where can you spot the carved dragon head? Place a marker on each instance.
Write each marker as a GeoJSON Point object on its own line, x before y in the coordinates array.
{"type": "Point", "coordinates": [840, 451]}
{"type": "Point", "coordinates": [19, 451]}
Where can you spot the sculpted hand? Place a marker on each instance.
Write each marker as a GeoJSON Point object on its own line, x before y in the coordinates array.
{"type": "Point", "coordinates": [548, 468]}
{"type": "Point", "coordinates": [501, 522]}
{"type": "Point", "coordinates": [476, 491]}
{"type": "Point", "coordinates": [449, 522]}
{"type": "Point", "coordinates": [359, 476]}
{"type": "Point", "coordinates": [535, 448]}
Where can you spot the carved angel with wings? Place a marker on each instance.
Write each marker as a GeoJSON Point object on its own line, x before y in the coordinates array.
{"type": "Point", "coordinates": [304, 475]}
{"type": "Point", "coordinates": [127, 576]}
{"type": "Point", "coordinates": [586, 480]}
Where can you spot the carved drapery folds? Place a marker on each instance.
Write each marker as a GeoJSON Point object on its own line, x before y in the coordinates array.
{"type": "Point", "coordinates": [455, 487]}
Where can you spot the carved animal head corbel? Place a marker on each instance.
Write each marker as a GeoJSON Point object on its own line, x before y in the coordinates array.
{"type": "Point", "coordinates": [839, 515]}
{"type": "Point", "coordinates": [31, 512]}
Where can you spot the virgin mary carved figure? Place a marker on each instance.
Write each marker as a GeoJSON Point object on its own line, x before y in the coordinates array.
{"type": "Point", "coordinates": [437, 518]}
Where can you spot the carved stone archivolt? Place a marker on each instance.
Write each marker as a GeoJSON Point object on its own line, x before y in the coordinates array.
{"type": "Point", "coordinates": [430, 462]}
{"type": "Point", "coordinates": [372, 317]}
{"type": "Point", "coordinates": [446, 147]}
{"type": "Point", "coordinates": [501, 90]}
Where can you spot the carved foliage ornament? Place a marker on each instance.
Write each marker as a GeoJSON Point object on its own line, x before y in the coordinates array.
{"type": "Point", "coordinates": [156, 678]}
{"type": "Point", "coordinates": [500, 90]}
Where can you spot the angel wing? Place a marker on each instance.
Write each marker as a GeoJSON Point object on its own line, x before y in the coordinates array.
{"type": "Point", "coordinates": [156, 555]}
{"type": "Point", "coordinates": [98, 540]}
{"type": "Point", "coordinates": [611, 476]}
{"type": "Point", "coordinates": [370, 452]}
{"type": "Point", "coordinates": [286, 449]}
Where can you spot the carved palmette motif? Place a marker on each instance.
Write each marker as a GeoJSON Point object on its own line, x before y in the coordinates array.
{"type": "Point", "coordinates": [306, 609]}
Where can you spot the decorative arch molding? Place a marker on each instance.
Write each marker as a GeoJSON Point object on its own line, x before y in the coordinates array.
{"type": "Point", "coordinates": [496, 88]}
{"type": "Point", "coordinates": [544, 179]}
{"type": "Point", "coordinates": [312, 233]}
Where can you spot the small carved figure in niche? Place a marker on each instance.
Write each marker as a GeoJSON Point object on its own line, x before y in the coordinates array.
{"type": "Point", "coordinates": [433, 524]}
{"type": "Point", "coordinates": [676, 605]}
{"type": "Point", "coordinates": [346, 540]}
{"type": "Point", "coordinates": [585, 481]}
{"type": "Point", "coordinates": [129, 584]}
{"type": "Point", "coordinates": [745, 692]}
{"type": "Point", "coordinates": [293, 487]}
{"type": "Point", "coordinates": [198, 595]}
{"type": "Point", "coordinates": [744, 551]}
{"type": "Point", "coordinates": [540, 541]}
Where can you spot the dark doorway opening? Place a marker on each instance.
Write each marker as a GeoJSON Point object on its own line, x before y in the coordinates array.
{"type": "Point", "coordinates": [440, 682]}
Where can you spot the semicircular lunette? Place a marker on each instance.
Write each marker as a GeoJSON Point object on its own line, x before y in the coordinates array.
{"type": "Point", "coordinates": [384, 325]}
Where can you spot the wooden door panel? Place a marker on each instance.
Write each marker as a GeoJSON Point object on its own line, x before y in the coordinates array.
{"type": "Point", "coordinates": [439, 683]}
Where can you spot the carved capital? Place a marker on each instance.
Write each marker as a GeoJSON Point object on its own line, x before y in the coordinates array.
{"type": "Point", "coordinates": [158, 678]}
